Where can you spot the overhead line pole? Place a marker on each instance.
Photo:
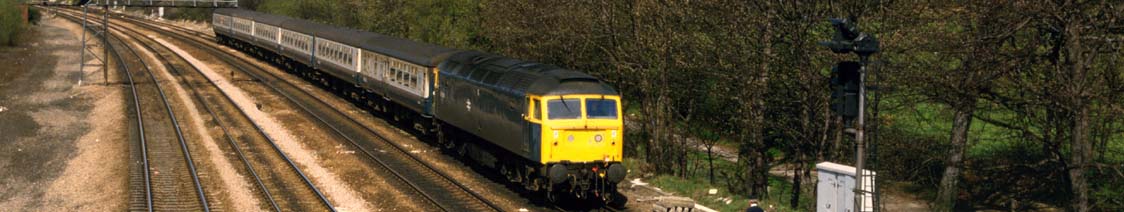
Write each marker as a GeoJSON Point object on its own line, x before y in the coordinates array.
{"type": "Point", "coordinates": [105, 43]}
{"type": "Point", "coordinates": [82, 56]}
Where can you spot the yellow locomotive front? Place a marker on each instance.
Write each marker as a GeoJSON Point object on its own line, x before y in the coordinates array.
{"type": "Point", "coordinates": [582, 138]}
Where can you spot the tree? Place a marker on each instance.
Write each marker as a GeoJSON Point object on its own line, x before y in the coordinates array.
{"type": "Point", "coordinates": [975, 33]}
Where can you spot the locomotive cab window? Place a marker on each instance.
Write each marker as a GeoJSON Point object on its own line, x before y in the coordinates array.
{"type": "Point", "coordinates": [563, 109]}
{"type": "Point", "coordinates": [600, 108]}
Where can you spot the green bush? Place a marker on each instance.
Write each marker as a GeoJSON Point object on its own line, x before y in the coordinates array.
{"type": "Point", "coordinates": [195, 14]}
{"type": "Point", "coordinates": [11, 22]}
{"type": "Point", "coordinates": [33, 16]}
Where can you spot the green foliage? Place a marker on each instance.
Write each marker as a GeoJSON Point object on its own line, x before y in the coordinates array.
{"type": "Point", "coordinates": [447, 23]}
{"type": "Point", "coordinates": [196, 14]}
{"type": "Point", "coordinates": [11, 22]}
{"type": "Point", "coordinates": [33, 15]}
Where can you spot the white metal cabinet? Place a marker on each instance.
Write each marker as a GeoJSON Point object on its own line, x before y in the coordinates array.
{"type": "Point", "coordinates": [835, 188]}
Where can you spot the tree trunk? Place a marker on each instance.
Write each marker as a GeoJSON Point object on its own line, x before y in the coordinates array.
{"type": "Point", "coordinates": [837, 148]}
{"type": "Point", "coordinates": [760, 181]}
{"type": "Point", "coordinates": [1080, 160]}
{"type": "Point", "coordinates": [1080, 145]}
{"type": "Point", "coordinates": [759, 168]}
{"type": "Point", "coordinates": [710, 160]}
{"type": "Point", "coordinates": [797, 175]}
{"type": "Point", "coordinates": [949, 187]}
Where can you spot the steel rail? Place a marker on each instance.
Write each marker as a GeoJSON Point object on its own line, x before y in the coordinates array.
{"type": "Point", "coordinates": [140, 123]}
{"type": "Point", "coordinates": [233, 141]}
{"type": "Point", "coordinates": [320, 196]}
{"type": "Point", "coordinates": [173, 121]}
{"type": "Point", "coordinates": [226, 132]}
{"type": "Point", "coordinates": [243, 62]}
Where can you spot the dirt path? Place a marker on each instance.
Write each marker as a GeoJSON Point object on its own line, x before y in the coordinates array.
{"type": "Point", "coordinates": [61, 145]}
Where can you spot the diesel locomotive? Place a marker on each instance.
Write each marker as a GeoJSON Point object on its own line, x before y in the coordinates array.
{"type": "Point", "coordinates": [550, 129]}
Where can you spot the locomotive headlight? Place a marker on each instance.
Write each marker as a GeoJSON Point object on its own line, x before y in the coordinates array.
{"type": "Point", "coordinates": [556, 134]}
{"type": "Point", "coordinates": [614, 133]}
{"type": "Point", "coordinates": [597, 138]}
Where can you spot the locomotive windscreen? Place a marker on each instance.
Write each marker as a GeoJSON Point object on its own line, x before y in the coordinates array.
{"type": "Point", "coordinates": [563, 109]}
{"type": "Point", "coordinates": [601, 109]}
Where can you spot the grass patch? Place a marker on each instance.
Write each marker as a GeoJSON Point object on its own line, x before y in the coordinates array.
{"type": "Point", "coordinates": [11, 22]}
{"type": "Point", "coordinates": [935, 121]}
{"type": "Point", "coordinates": [697, 185]}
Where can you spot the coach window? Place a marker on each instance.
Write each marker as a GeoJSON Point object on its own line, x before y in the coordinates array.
{"type": "Point", "coordinates": [402, 74]}
{"type": "Point", "coordinates": [414, 80]}
{"type": "Point", "coordinates": [390, 73]}
{"type": "Point", "coordinates": [398, 75]}
{"type": "Point", "coordinates": [394, 74]}
{"type": "Point", "coordinates": [417, 78]}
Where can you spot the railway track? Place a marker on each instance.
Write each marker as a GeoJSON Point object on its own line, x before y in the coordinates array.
{"type": "Point", "coordinates": [437, 187]}
{"type": "Point", "coordinates": [288, 195]}
{"type": "Point", "coordinates": [165, 177]}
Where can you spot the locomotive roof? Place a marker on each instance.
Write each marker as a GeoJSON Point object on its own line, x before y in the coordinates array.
{"type": "Point", "coordinates": [520, 77]}
{"type": "Point", "coordinates": [411, 51]}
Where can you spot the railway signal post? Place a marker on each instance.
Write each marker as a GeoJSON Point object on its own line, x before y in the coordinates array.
{"type": "Point", "coordinates": [849, 96]}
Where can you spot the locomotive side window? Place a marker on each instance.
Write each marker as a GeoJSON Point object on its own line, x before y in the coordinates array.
{"type": "Point", "coordinates": [536, 109]}
{"type": "Point", "coordinates": [601, 108]}
{"type": "Point", "coordinates": [563, 109]}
